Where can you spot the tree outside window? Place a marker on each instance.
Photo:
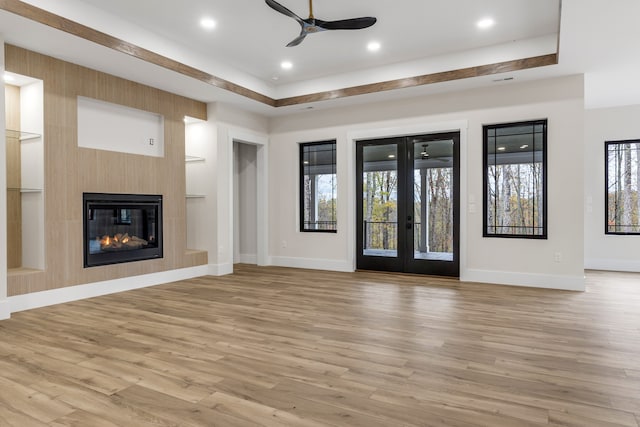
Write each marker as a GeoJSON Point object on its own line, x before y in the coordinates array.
{"type": "Point", "coordinates": [515, 180]}
{"type": "Point", "coordinates": [622, 166]}
{"type": "Point", "coordinates": [318, 186]}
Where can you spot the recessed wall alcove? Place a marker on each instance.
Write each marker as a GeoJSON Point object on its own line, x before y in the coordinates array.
{"type": "Point", "coordinates": [25, 181]}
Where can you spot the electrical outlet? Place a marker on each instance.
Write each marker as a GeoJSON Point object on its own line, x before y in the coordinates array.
{"type": "Point", "coordinates": [557, 257]}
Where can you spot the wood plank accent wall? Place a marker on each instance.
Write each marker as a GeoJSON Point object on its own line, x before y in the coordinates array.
{"type": "Point", "coordinates": [71, 170]}
{"type": "Point", "coordinates": [14, 202]}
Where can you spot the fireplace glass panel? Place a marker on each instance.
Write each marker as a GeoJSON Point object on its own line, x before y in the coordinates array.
{"type": "Point", "coordinates": [122, 228]}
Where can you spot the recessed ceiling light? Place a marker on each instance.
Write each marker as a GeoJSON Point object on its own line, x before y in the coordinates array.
{"type": "Point", "coordinates": [522, 147]}
{"type": "Point", "coordinates": [306, 162]}
{"type": "Point", "coordinates": [286, 65]}
{"type": "Point", "coordinates": [9, 78]}
{"type": "Point", "coordinates": [392, 156]}
{"type": "Point", "coordinates": [208, 23]}
{"type": "Point", "coordinates": [501, 148]}
{"type": "Point", "coordinates": [373, 47]}
{"type": "Point", "coordinates": [485, 23]}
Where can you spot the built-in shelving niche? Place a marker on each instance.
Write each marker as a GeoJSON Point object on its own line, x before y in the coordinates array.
{"type": "Point", "coordinates": [195, 179]}
{"type": "Point", "coordinates": [25, 174]}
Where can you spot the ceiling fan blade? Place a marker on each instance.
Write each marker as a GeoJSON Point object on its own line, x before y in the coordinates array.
{"type": "Point", "coordinates": [280, 8]}
{"type": "Point", "coordinates": [347, 24]}
{"type": "Point", "coordinates": [297, 40]}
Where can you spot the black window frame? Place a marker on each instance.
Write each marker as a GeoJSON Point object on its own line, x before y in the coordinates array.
{"type": "Point", "coordinates": [303, 228]}
{"type": "Point", "coordinates": [485, 179]}
{"type": "Point", "coordinates": [607, 144]}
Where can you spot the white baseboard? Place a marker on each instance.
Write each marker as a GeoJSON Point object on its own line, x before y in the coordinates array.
{"type": "Point", "coordinates": [5, 311]}
{"type": "Point", "coordinates": [548, 281]}
{"type": "Point", "coordinates": [90, 290]}
{"type": "Point", "coordinates": [312, 263]}
{"type": "Point", "coordinates": [248, 259]}
{"type": "Point", "coordinates": [220, 269]}
{"type": "Point", "coordinates": [612, 264]}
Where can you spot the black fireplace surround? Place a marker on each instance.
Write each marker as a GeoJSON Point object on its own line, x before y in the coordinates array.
{"type": "Point", "coordinates": [121, 228]}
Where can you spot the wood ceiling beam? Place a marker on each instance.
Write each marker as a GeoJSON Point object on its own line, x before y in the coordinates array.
{"type": "Point", "coordinates": [426, 79]}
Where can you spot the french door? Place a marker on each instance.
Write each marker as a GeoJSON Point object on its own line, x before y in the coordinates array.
{"type": "Point", "coordinates": [408, 204]}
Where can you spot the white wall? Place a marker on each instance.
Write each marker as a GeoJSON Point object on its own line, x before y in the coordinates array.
{"type": "Point", "coordinates": [4, 305]}
{"type": "Point", "coordinates": [606, 252]}
{"type": "Point", "coordinates": [507, 261]}
{"type": "Point", "coordinates": [245, 203]}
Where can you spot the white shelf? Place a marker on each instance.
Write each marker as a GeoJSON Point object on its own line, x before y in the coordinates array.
{"type": "Point", "coordinates": [195, 196]}
{"type": "Point", "coordinates": [190, 159]}
{"type": "Point", "coordinates": [22, 136]}
{"type": "Point", "coordinates": [25, 190]}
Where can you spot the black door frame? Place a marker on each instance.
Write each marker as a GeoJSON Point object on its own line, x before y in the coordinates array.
{"type": "Point", "coordinates": [405, 261]}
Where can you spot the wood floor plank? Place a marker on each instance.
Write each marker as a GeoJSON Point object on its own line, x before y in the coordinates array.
{"type": "Point", "coordinates": [10, 417]}
{"type": "Point", "coordinates": [178, 386]}
{"type": "Point", "coordinates": [276, 346]}
{"type": "Point", "coordinates": [254, 412]}
{"type": "Point", "coordinates": [557, 419]}
{"type": "Point", "coordinates": [174, 411]}
{"type": "Point", "coordinates": [306, 405]}
{"type": "Point", "coordinates": [81, 418]}
{"type": "Point", "coordinates": [96, 405]}
{"type": "Point", "coordinates": [22, 399]}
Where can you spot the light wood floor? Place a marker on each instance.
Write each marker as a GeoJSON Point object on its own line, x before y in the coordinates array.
{"type": "Point", "coordinates": [275, 346]}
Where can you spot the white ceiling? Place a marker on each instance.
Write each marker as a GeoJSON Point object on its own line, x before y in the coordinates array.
{"type": "Point", "coordinates": [251, 37]}
{"type": "Point", "coordinates": [417, 37]}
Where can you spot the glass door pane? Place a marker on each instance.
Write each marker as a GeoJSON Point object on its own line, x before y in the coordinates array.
{"type": "Point", "coordinates": [433, 200]}
{"type": "Point", "coordinates": [380, 200]}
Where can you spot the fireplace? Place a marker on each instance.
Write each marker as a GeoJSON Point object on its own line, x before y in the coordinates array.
{"type": "Point", "coordinates": [121, 228]}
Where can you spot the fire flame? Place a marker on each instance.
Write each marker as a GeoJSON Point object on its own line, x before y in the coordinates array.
{"type": "Point", "coordinates": [121, 241]}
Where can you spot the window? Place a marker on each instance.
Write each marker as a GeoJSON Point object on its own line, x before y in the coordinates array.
{"type": "Point", "coordinates": [622, 174]}
{"type": "Point", "coordinates": [515, 180]}
{"type": "Point", "coordinates": [318, 186]}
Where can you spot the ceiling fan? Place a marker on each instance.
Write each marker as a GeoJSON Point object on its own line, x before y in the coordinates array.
{"type": "Point", "coordinates": [313, 25]}
{"type": "Point", "coordinates": [426, 156]}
